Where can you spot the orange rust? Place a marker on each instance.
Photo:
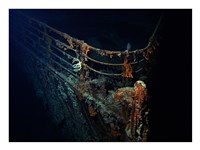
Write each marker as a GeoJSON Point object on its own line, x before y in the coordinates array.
{"type": "Point", "coordinates": [128, 69]}
{"type": "Point", "coordinates": [85, 48]}
{"type": "Point", "coordinates": [92, 111]}
{"type": "Point", "coordinates": [118, 94]}
{"type": "Point", "coordinates": [69, 40]}
{"type": "Point", "coordinates": [115, 133]}
{"type": "Point", "coordinates": [140, 93]}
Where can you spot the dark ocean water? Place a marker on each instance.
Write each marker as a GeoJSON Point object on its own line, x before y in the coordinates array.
{"type": "Point", "coordinates": [170, 85]}
{"type": "Point", "coordinates": [27, 119]}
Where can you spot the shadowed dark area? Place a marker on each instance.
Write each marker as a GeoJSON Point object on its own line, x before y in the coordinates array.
{"type": "Point", "coordinates": [27, 119]}
{"type": "Point", "coordinates": [172, 80]}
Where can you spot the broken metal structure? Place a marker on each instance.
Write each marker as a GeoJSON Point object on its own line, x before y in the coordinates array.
{"type": "Point", "coordinates": [91, 94]}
